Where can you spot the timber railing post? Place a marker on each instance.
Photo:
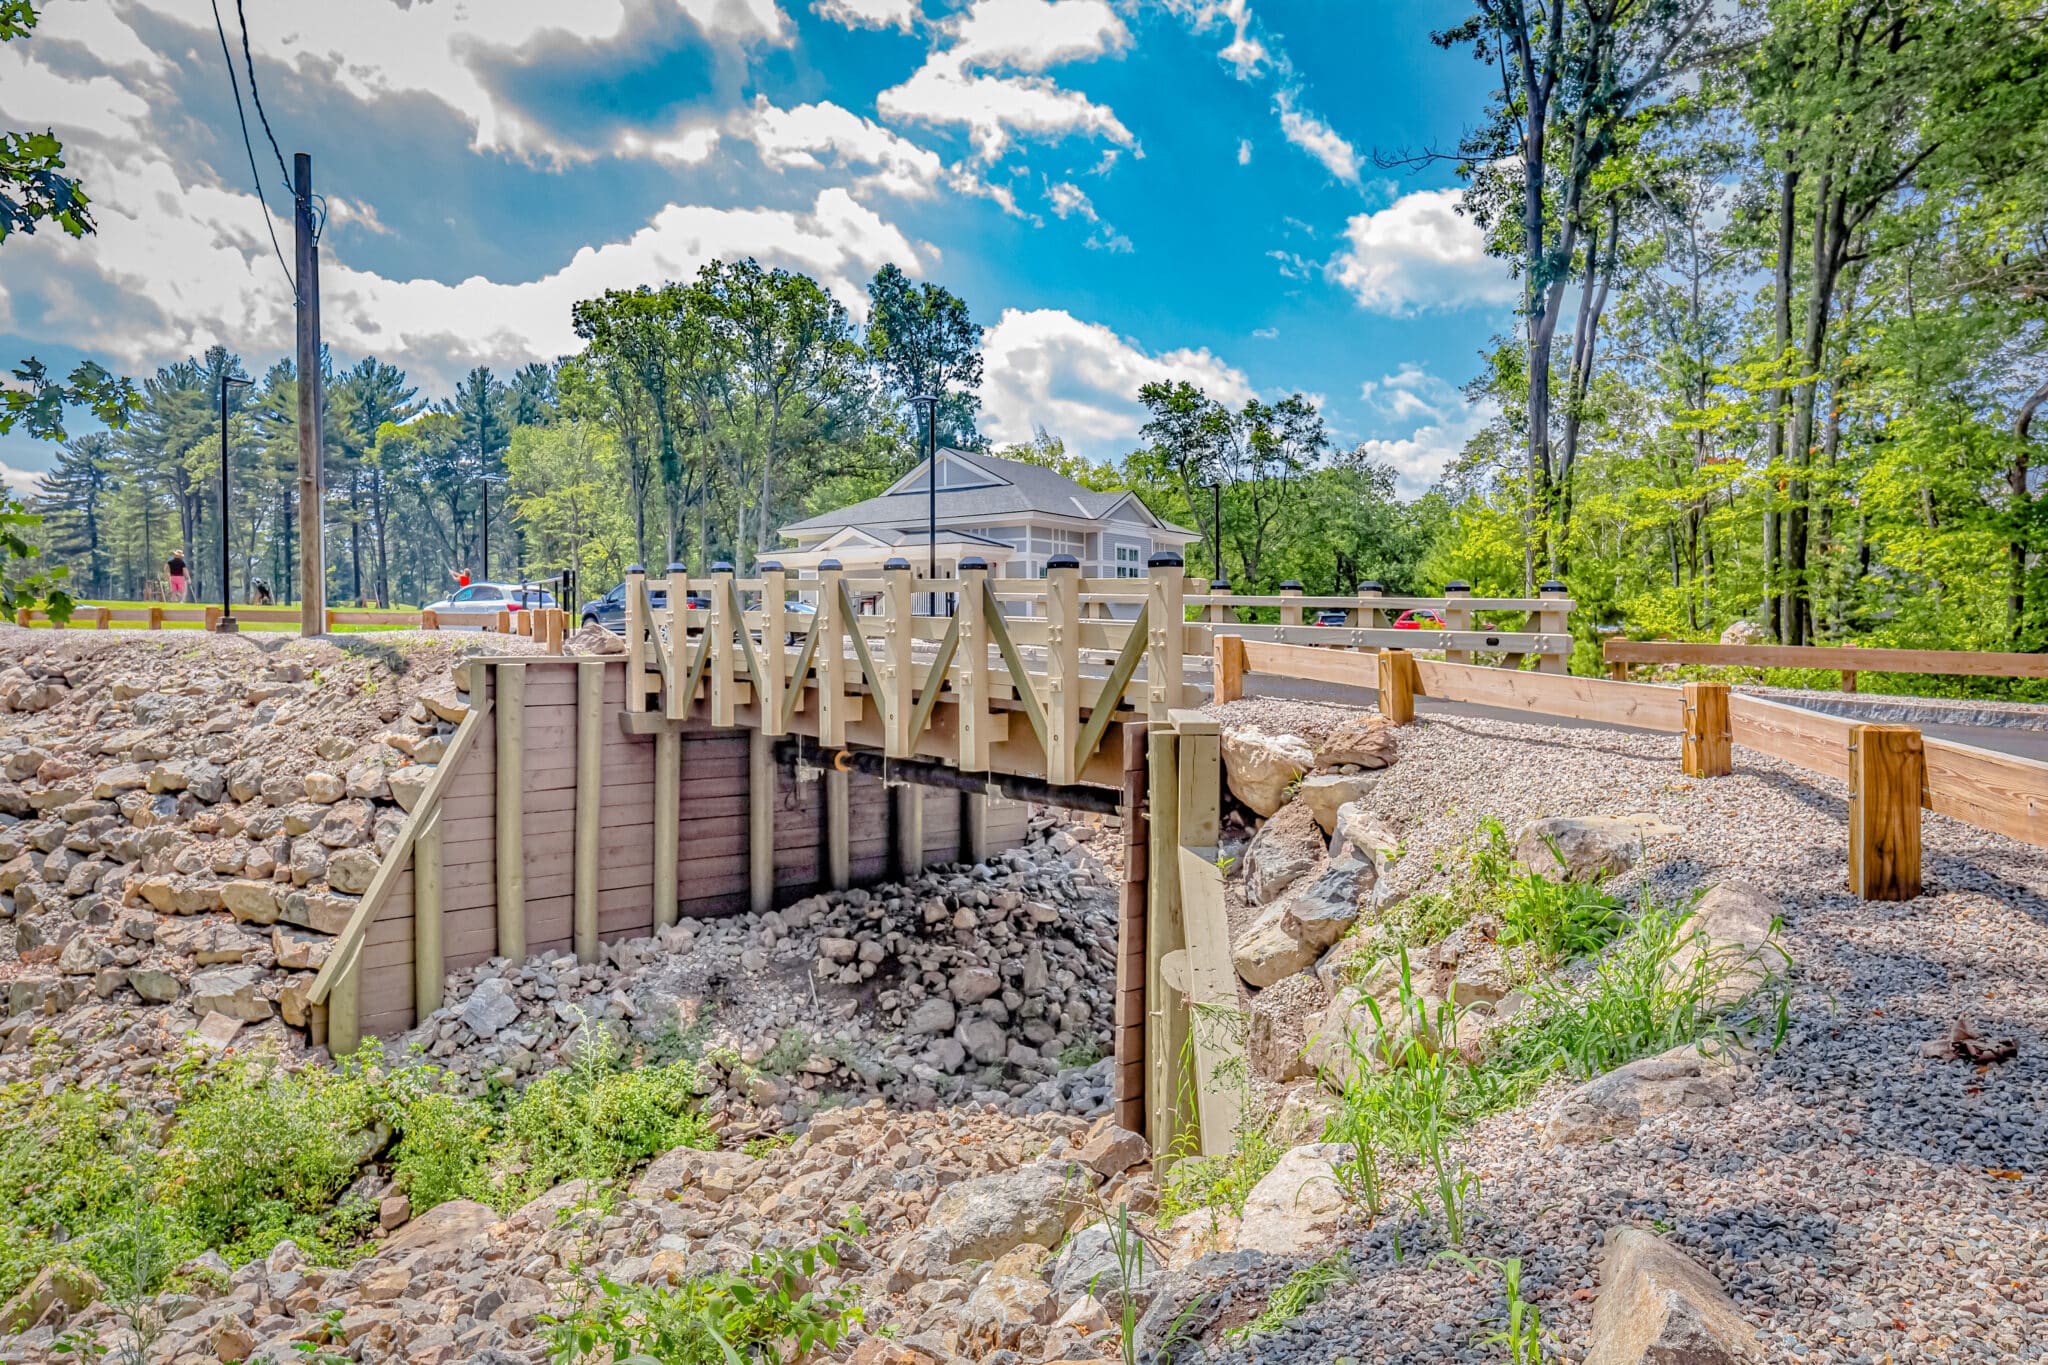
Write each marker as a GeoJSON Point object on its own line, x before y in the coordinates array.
{"type": "Point", "coordinates": [1705, 749]}
{"type": "Point", "coordinates": [1165, 622]}
{"type": "Point", "coordinates": [668, 795]}
{"type": "Point", "coordinates": [724, 694]}
{"type": "Point", "coordinates": [638, 627]}
{"type": "Point", "coordinates": [1290, 611]}
{"type": "Point", "coordinates": [1457, 616]}
{"type": "Point", "coordinates": [1887, 771]}
{"type": "Point", "coordinates": [1220, 611]}
{"type": "Point", "coordinates": [1063, 685]}
{"type": "Point", "coordinates": [509, 720]}
{"type": "Point", "coordinates": [1368, 614]}
{"type": "Point", "coordinates": [1555, 621]}
{"type": "Point", "coordinates": [1617, 669]}
{"type": "Point", "coordinates": [898, 666]}
{"type": "Point", "coordinates": [589, 794]}
{"type": "Point", "coordinates": [1848, 674]}
{"type": "Point", "coordinates": [971, 662]}
{"type": "Point", "coordinates": [830, 658]}
{"type": "Point", "coordinates": [760, 822]}
{"type": "Point", "coordinates": [1397, 686]}
{"type": "Point", "coordinates": [774, 654]}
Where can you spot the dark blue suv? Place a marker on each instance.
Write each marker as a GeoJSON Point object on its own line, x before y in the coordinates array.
{"type": "Point", "coordinates": [609, 610]}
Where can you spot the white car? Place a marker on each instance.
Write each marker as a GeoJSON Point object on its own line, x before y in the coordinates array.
{"type": "Point", "coordinates": [476, 607]}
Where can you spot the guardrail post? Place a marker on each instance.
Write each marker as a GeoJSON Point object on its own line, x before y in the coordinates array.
{"type": "Point", "coordinates": [213, 621]}
{"type": "Point", "coordinates": [1166, 1015]}
{"type": "Point", "coordinates": [504, 622]}
{"type": "Point", "coordinates": [1555, 621]}
{"type": "Point", "coordinates": [1165, 619]}
{"type": "Point", "coordinates": [830, 659]}
{"type": "Point", "coordinates": [1230, 665]}
{"type": "Point", "coordinates": [1848, 674]}
{"type": "Point", "coordinates": [156, 618]}
{"type": "Point", "coordinates": [1367, 617]}
{"type": "Point", "coordinates": [1706, 748]}
{"type": "Point", "coordinates": [897, 666]}
{"type": "Point", "coordinates": [1290, 612]}
{"type": "Point", "coordinates": [724, 676]}
{"type": "Point", "coordinates": [1397, 686]}
{"type": "Point", "coordinates": [1617, 669]}
{"type": "Point", "coordinates": [1457, 616]}
{"type": "Point", "coordinates": [760, 823]}
{"type": "Point", "coordinates": [971, 659]}
{"type": "Point", "coordinates": [668, 794]}
{"type": "Point", "coordinates": [774, 652]}
{"type": "Point", "coordinates": [1887, 770]}
{"type": "Point", "coordinates": [1062, 666]}
{"type": "Point", "coordinates": [1132, 962]}
{"type": "Point", "coordinates": [21, 617]}
{"type": "Point", "coordinates": [103, 619]}
{"type": "Point", "coordinates": [636, 638]}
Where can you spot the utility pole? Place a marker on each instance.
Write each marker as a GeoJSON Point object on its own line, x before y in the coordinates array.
{"type": "Point", "coordinates": [312, 543]}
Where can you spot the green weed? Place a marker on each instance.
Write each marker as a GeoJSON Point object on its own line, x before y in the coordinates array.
{"type": "Point", "coordinates": [1558, 921]}
{"type": "Point", "coordinates": [1522, 1336]}
{"type": "Point", "coordinates": [1302, 1290]}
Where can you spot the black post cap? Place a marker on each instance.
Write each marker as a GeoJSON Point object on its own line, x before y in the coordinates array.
{"type": "Point", "coordinates": [722, 566]}
{"type": "Point", "coordinates": [1371, 585]}
{"type": "Point", "coordinates": [1552, 585]}
{"type": "Point", "coordinates": [831, 564]}
{"type": "Point", "coordinates": [1165, 559]}
{"type": "Point", "coordinates": [1219, 585]}
{"type": "Point", "coordinates": [1291, 585]}
{"type": "Point", "coordinates": [678, 567]}
{"type": "Point", "coordinates": [895, 562]}
{"type": "Point", "coordinates": [636, 568]}
{"type": "Point", "coordinates": [973, 562]}
{"type": "Point", "coordinates": [1457, 585]}
{"type": "Point", "coordinates": [1063, 562]}
{"type": "Point", "coordinates": [770, 566]}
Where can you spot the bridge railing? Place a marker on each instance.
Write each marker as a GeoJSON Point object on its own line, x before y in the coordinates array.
{"type": "Point", "coordinates": [819, 655]}
{"type": "Point", "coordinates": [1370, 616]}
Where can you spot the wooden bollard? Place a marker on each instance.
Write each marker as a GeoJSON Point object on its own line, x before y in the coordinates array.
{"type": "Point", "coordinates": [1398, 679]}
{"type": "Point", "coordinates": [156, 618]}
{"type": "Point", "coordinates": [21, 617]}
{"type": "Point", "coordinates": [558, 626]}
{"type": "Point", "coordinates": [523, 623]}
{"type": "Point", "coordinates": [430, 620]}
{"type": "Point", "coordinates": [1706, 749]}
{"type": "Point", "coordinates": [213, 619]}
{"type": "Point", "coordinates": [504, 623]}
{"type": "Point", "coordinates": [1887, 769]}
{"type": "Point", "coordinates": [1230, 667]}
{"type": "Point", "coordinates": [103, 619]}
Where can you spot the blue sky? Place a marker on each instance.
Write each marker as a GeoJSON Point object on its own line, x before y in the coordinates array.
{"type": "Point", "coordinates": [1122, 190]}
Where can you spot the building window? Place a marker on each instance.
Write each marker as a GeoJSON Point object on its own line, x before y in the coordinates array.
{"type": "Point", "coordinates": [1127, 563]}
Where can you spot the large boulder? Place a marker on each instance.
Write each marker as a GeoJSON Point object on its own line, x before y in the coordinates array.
{"type": "Point", "coordinates": [1364, 741]}
{"type": "Point", "coordinates": [233, 991]}
{"type": "Point", "coordinates": [1732, 926]}
{"type": "Point", "coordinates": [453, 1226]}
{"type": "Point", "coordinates": [718, 1174]}
{"type": "Point", "coordinates": [1011, 1298]}
{"type": "Point", "coordinates": [1089, 1265]}
{"type": "Point", "coordinates": [1584, 848]}
{"type": "Point", "coordinates": [1286, 849]}
{"type": "Point", "coordinates": [1327, 793]}
{"type": "Point", "coordinates": [1658, 1306]}
{"type": "Point", "coordinates": [1270, 951]}
{"type": "Point", "coordinates": [1615, 1104]}
{"type": "Point", "coordinates": [55, 1294]}
{"type": "Point", "coordinates": [1262, 767]}
{"type": "Point", "coordinates": [1299, 1205]}
{"type": "Point", "coordinates": [984, 1218]}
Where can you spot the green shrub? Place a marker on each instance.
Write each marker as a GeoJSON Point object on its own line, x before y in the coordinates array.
{"type": "Point", "coordinates": [1476, 871]}
{"type": "Point", "coordinates": [767, 1312]}
{"type": "Point", "coordinates": [72, 1164]}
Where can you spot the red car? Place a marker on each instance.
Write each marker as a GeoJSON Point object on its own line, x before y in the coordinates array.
{"type": "Point", "coordinates": [1422, 618]}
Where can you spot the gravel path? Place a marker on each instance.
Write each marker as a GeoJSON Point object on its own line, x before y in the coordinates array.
{"type": "Point", "coordinates": [1860, 1202]}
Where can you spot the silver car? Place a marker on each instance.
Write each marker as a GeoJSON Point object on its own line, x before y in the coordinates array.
{"type": "Point", "coordinates": [476, 607]}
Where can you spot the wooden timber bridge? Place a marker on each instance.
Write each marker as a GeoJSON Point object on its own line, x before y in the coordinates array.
{"type": "Point", "coordinates": [766, 738]}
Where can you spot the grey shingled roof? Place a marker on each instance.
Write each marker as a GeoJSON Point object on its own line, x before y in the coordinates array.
{"type": "Point", "coordinates": [1027, 488]}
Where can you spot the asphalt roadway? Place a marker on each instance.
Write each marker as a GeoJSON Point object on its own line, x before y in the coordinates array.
{"type": "Point", "coordinates": [2025, 735]}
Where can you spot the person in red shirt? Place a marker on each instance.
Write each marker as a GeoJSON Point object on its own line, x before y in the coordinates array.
{"type": "Point", "coordinates": [462, 578]}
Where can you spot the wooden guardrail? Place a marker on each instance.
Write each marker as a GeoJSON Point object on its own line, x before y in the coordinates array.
{"type": "Point", "coordinates": [1893, 772]}
{"type": "Point", "coordinates": [1849, 660]}
{"type": "Point", "coordinates": [1369, 622]}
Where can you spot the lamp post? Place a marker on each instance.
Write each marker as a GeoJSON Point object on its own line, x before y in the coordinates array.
{"type": "Point", "coordinates": [228, 624]}
{"type": "Point", "coordinates": [1216, 520]}
{"type": "Point", "coordinates": [930, 404]}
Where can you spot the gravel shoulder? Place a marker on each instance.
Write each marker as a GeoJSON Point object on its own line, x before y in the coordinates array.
{"type": "Point", "coordinates": [1859, 1201]}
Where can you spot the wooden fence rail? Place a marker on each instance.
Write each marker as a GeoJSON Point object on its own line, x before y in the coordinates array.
{"type": "Point", "coordinates": [1849, 660]}
{"type": "Point", "coordinates": [548, 624]}
{"type": "Point", "coordinates": [1892, 772]}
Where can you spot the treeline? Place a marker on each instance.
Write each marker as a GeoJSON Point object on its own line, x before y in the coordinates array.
{"type": "Point", "coordinates": [1784, 329]}
{"type": "Point", "coordinates": [699, 418]}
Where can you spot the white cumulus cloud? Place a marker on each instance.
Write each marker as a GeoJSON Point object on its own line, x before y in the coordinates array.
{"type": "Point", "coordinates": [869, 13]}
{"type": "Point", "coordinates": [1079, 380]}
{"type": "Point", "coordinates": [1031, 35]}
{"type": "Point", "coordinates": [1438, 422]}
{"type": "Point", "coordinates": [1317, 138]}
{"type": "Point", "coordinates": [1419, 253]}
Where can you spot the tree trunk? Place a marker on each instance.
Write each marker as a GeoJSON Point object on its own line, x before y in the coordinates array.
{"type": "Point", "coordinates": [2016, 485]}
{"type": "Point", "coordinates": [1788, 205]}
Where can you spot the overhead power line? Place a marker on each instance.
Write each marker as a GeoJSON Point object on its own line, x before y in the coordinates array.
{"type": "Point", "coordinates": [247, 145]}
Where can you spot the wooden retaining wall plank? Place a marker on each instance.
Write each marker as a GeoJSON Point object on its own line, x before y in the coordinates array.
{"type": "Point", "coordinates": [1807, 739]}
{"type": "Point", "coordinates": [1998, 792]}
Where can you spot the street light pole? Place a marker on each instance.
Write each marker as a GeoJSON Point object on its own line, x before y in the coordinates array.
{"type": "Point", "coordinates": [1216, 520]}
{"type": "Point", "coordinates": [228, 624]}
{"type": "Point", "coordinates": [930, 404]}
